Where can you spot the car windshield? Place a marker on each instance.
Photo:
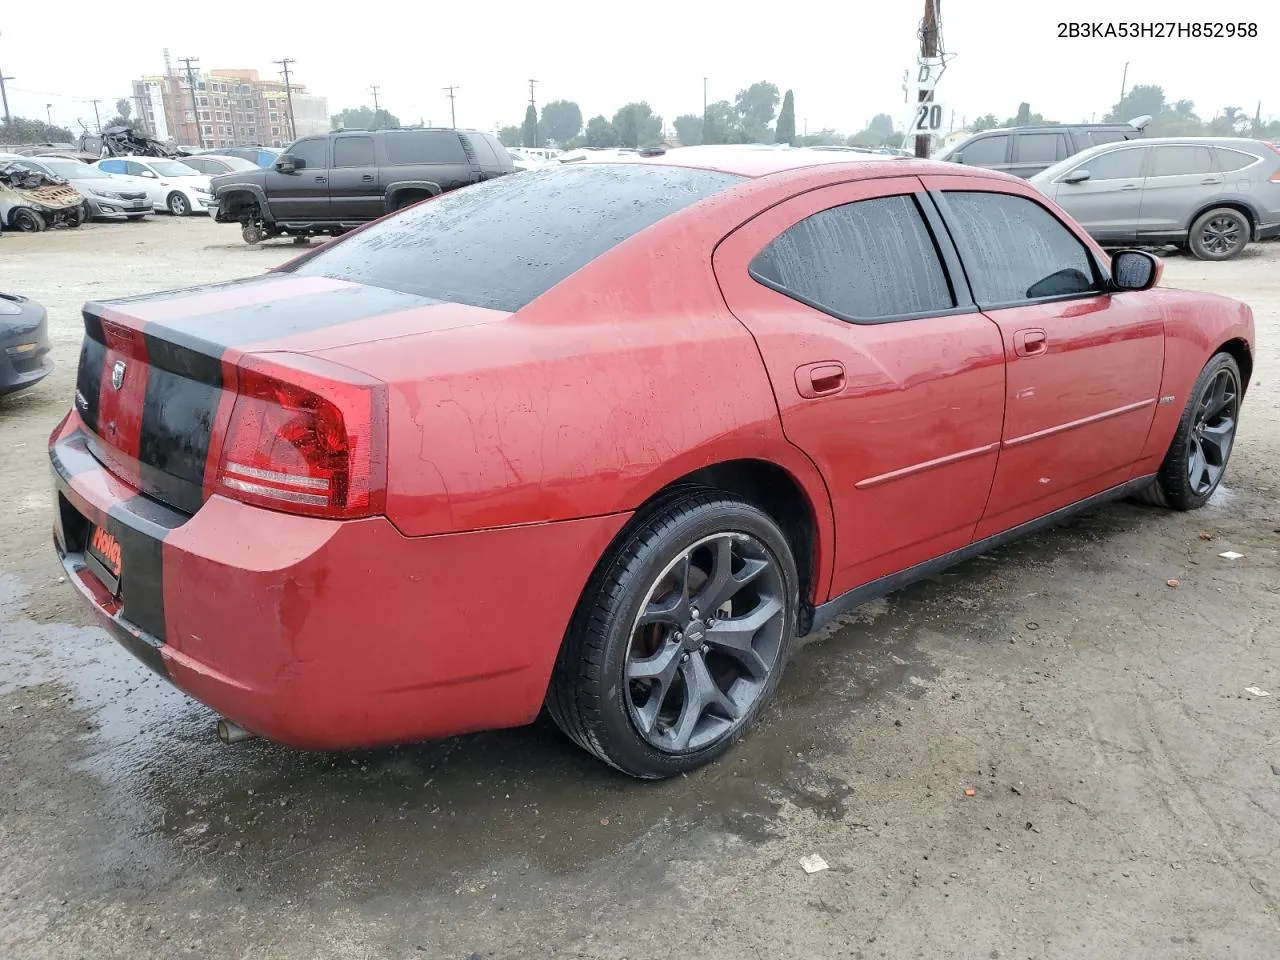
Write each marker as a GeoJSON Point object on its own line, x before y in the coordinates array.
{"type": "Point", "coordinates": [172, 168]}
{"type": "Point", "coordinates": [238, 163]}
{"type": "Point", "coordinates": [501, 243]}
{"type": "Point", "coordinates": [72, 170]}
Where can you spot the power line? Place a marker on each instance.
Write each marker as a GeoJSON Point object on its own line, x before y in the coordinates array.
{"type": "Point", "coordinates": [283, 63]}
{"type": "Point", "coordinates": [453, 119]}
{"type": "Point", "coordinates": [191, 82]}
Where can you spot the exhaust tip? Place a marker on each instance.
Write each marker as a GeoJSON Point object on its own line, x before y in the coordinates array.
{"type": "Point", "coordinates": [230, 732]}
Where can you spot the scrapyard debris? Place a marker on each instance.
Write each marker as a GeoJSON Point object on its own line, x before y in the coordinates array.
{"type": "Point", "coordinates": [1230, 555]}
{"type": "Point", "coordinates": [1256, 691]}
{"type": "Point", "coordinates": [1174, 582]}
{"type": "Point", "coordinates": [124, 142]}
{"type": "Point", "coordinates": [32, 201]}
{"type": "Point", "coordinates": [813, 863]}
{"type": "Point", "coordinates": [1206, 536]}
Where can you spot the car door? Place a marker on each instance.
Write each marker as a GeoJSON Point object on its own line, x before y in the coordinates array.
{"type": "Point", "coordinates": [1083, 365]}
{"type": "Point", "coordinates": [303, 194]}
{"type": "Point", "coordinates": [885, 373]}
{"type": "Point", "coordinates": [155, 193]}
{"type": "Point", "coordinates": [1180, 179]}
{"type": "Point", "coordinates": [1032, 152]}
{"type": "Point", "coordinates": [1107, 201]}
{"type": "Point", "coordinates": [355, 194]}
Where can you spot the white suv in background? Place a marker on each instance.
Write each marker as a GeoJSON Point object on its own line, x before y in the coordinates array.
{"type": "Point", "coordinates": [171, 184]}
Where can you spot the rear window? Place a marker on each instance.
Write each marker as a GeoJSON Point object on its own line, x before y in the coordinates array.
{"type": "Point", "coordinates": [501, 243]}
{"type": "Point", "coordinates": [984, 150]}
{"type": "Point", "coordinates": [424, 146]}
{"type": "Point", "coordinates": [1098, 137]}
{"type": "Point", "coordinates": [1230, 160]}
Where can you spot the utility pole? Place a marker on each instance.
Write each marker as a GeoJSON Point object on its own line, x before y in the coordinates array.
{"type": "Point", "coordinates": [191, 83]}
{"type": "Point", "coordinates": [375, 89]}
{"type": "Point", "coordinates": [1124, 79]}
{"type": "Point", "coordinates": [96, 118]}
{"type": "Point", "coordinates": [288, 93]}
{"type": "Point", "coordinates": [533, 104]}
{"type": "Point", "coordinates": [928, 51]}
{"type": "Point", "coordinates": [5, 97]}
{"type": "Point", "coordinates": [48, 114]}
{"type": "Point", "coordinates": [453, 118]}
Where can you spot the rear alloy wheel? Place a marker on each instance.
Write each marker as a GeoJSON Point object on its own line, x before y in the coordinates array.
{"type": "Point", "coordinates": [1197, 458]}
{"type": "Point", "coordinates": [680, 639]}
{"type": "Point", "coordinates": [28, 221]}
{"type": "Point", "coordinates": [1219, 234]}
{"type": "Point", "coordinates": [178, 204]}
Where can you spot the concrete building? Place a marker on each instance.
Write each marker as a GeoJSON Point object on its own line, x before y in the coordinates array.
{"type": "Point", "coordinates": [232, 107]}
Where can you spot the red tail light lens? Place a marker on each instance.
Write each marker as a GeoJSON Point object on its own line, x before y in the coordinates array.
{"type": "Point", "coordinates": [305, 436]}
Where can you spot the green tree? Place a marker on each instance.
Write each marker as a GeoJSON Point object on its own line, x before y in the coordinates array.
{"type": "Point", "coordinates": [1023, 116]}
{"type": "Point", "coordinates": [23, 130]}
{"type": "Point", "coordinates": [722, 124]}
{"type": "Point", "coordinates": [637, 125]}
{"type": "Point", "coordinates": [510, 136]}
{"type": "Point", "coordinates": [756, 106]}
{"type": "Point", "coordinates": [601, 133]}
{"type": "Point", "coordinates": [825, 137]}
{"type": "Point", "coordinates": [786, 130]}
{"type": "Point", "coordinates": [881, 124]}
{"type": "Point", "coordinates": [561, 121]}
{"type": "Point", "coordinates": [363, 118]}
{"type": "Point", "coordinates": [529, 135]}
{"type": "Point", "coordinates": [987, 121]}
{"type": "Point", "coordinates": [1144, 100]}
{"type": "Point", "coordinates": [689, 130]}
{"type": "Point", "coordinates": [1231, 122]}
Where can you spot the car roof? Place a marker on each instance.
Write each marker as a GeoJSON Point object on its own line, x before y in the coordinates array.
{"type": "Point", "coordinates": [759, 160]}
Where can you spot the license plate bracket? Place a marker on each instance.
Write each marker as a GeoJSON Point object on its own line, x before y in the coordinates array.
{"type": "Point", "coordinates": [102, 556]}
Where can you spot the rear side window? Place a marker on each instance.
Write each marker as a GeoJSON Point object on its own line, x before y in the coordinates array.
{"type": "Point", "coordinates": [314, 153]}
{"type": "Point", "coordinates": [1098, 137]}
{"type": "Point", "coordinates": [984, 150]}
{"type": "Point", "coordinates": [1232, 160]}
{"type": "Point", "coordinates": [1180, 160]}
{"type": "Point", "coordinates": [353, 152]}
{"type": "Point", "coordinates": [1117, 165]}
{"type": "Point", "coordinates": [1039, 148]}
{"type": "Point", "coordinates": [111, 166]}
{"type": "Point", "coordinates": [1015, 250]}
{"type": "Point", "coordinates": [134, 168]}
{"type": "Point", "coordinates": [865, 261]}
{"type": "Point", "coordinates": [501, 243]}
{"type": "Point", "coordinates": [425, 146]}
{"type": "Point", "coordinates": [484, 152]}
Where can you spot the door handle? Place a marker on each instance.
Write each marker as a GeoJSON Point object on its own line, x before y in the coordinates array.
{"type": "Point", "coordinates": [367, 178]}
{"type": "Point", "coordinates": [321, 180]}
{"type": "Point", "coordinates": [1130, 186]}
{"type": "Point", "coordinates": [1207, 181]}
{"type": "Point", "coordinates": [1030, 343]}
{"type": "Point", "coordinates": [820, 379]}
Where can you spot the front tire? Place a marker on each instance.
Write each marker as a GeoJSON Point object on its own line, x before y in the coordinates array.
{"type": "Point", "coordinates": [680, 638]}
{"type": "Point", "coordinates": [1197, 458]}
{"type": "Point", "coordinates": [1219, 234]}
{"type": "Point", "coordinates": [178, 204]}
{"type": "Point", "coordinates": [27, 220]}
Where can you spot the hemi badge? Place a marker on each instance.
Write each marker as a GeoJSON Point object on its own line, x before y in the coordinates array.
{"type": "Point", "coordinates": [1168, 399]}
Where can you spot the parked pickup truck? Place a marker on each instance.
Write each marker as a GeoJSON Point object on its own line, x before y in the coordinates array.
{"type": "Point", "coordinates": [330, 183]}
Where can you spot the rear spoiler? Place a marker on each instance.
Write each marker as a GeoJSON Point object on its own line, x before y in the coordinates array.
{"type": "Point", "coordinates": [1140, 123]}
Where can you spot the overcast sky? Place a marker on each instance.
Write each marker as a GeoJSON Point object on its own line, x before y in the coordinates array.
{"type": "Point", "coordinates": [845, 61]}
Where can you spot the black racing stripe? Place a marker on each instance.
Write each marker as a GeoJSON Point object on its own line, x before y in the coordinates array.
{"type": "Point", "coordinates": [89, 375]}
{"type": "Point", "coordinates": [178, 410]}
{"type": "Point", "coordinates": [141, 563]}
{"type": "Point", "coordinates": [210, 333]}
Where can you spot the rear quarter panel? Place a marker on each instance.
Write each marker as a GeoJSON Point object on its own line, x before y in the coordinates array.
{"type": "Point", "coordinates": [1196, 325]}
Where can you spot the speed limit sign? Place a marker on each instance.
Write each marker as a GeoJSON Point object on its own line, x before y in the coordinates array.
{"type": "Point", "coordinates": [927, 119]}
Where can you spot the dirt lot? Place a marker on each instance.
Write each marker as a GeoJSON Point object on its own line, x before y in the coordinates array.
{"type": "Point", "coordinates": [1127, 785]}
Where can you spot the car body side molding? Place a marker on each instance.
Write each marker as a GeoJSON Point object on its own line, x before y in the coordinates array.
{"type": "Point", "coordinates": [875, 589]}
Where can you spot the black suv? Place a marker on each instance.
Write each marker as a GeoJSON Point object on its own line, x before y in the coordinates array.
{"type": "Point", "coordinates": [330, 183]}
{"type": "Point", "coordinates": [1025, 151]}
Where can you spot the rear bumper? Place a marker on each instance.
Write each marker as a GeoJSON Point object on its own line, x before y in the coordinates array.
{"type": "Point", "coordinates": [324, 634]}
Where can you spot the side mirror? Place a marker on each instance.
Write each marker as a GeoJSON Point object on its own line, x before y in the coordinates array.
{"type": "Point", "coordinates": [1078, 175]}
{"type": "Point", "coordinates": [289, 164]}
{"type": "Point", "coordinates": [149, 174]}
{"type": "Point", "coordinates": [1135, 270]}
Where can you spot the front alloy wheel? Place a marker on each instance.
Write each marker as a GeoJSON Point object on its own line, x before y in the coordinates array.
{"type": "Point", "coordinates": [178, 204]}
{"type": "Point", "coordinates": [680, 638]}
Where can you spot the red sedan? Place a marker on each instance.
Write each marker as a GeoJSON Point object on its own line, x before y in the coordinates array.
{"type": "Point", "coordinates": [608, 437]}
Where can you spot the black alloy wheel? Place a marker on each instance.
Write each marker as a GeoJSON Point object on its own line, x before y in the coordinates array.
{"type": "Point", "coordinates": [1197, 458]}
{"type": "Point", "coordinates": [680, 637]}
{"type": "Point", "coordinates": [1219, 234]}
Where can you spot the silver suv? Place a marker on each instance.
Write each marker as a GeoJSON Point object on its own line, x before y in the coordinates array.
{"type": "Point", "coordinates": [1210, 195]}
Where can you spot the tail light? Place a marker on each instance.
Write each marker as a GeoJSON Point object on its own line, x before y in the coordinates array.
{"type": "Point", "coordinates": [305, 436]}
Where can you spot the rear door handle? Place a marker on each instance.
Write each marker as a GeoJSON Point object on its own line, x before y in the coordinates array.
{"type": "Point", "coordinates": [367, 178]}
{"type": "Point", "coordinates": [1030, 343]}
{"type": "Point", "coordinates": [820, 379]}
{"type": "Point", "coordinates": [1130, 186]}
{"type": "Point", "coordinates": [321, 180]}
{"type": "Point", "coordinates": [1207, 181]}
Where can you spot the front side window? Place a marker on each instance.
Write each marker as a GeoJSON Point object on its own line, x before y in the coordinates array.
{"type": "Point", "coordinates": [314, 152]}
{"type": "Point", "coordinates": [133, 168]}
{"type": "Point", "coordinates": [1122, 164]}
{"type": "Point", "coordinates": [353, 152]}
{"type": "Point", "coordinates": [1014, 250]}
{"type": "Point", "coordinates": [985, 150]}
{"type": "Point", "coordinates": [865, 261]}
{"type": "Point", "coordinates": [1180, 160]}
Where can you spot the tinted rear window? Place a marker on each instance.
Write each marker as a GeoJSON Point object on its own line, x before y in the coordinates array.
{"type": "Point", "coordinates": [424, 146]}
{"type": "Point", "coordinates": [501, 243]}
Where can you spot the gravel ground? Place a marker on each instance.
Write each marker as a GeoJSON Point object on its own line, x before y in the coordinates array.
{"type": "Point", "coordinates": [1126, 783]}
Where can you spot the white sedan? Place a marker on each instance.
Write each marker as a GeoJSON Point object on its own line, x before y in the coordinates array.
{"type": "Point", "coordinates": [171, 184]}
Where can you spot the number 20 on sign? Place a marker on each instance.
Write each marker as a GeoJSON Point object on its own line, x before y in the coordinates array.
{"type": "Point", "coordinates": [927, 119]}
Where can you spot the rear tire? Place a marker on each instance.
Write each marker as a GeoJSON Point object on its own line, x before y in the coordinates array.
{"type": "Point", "coordinates": [1197, 458]}
{"type": "Point", "coordinates": [1219, 234]}
{"type": "Point", "coordinates": [648, 682]}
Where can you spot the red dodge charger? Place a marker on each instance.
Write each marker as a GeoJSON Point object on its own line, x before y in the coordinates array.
{"type": "Point", "coordinates": [608, 437]}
